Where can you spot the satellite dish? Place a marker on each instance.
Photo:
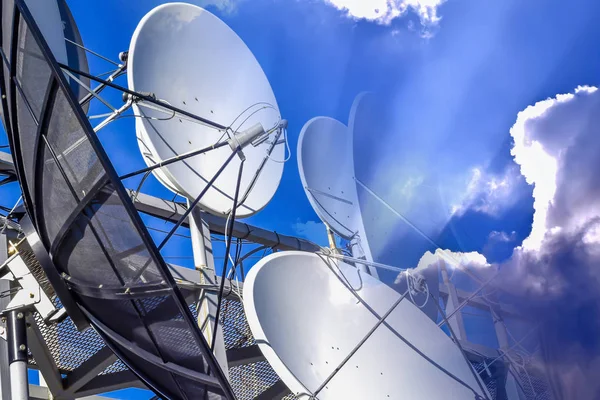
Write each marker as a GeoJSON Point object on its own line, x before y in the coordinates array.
{"type": "Point", "coordinates": [136, 306]}
{"type": "Point", "coordinates": [189, 58]}
{"type": "Point", "coordinates": [305, 331]}
{"type": "Point", "coordinates": [362, 119]}
{"type": "Point", "coordinates": [326, 166]}
{"type": "Point", "coordinates": [58, 27]}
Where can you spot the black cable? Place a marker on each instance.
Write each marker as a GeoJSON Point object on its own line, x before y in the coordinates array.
{"type": "Point", "coordinates": [226, 259]}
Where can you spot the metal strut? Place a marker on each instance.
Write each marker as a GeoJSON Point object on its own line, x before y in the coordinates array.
{"type": "Point", "coordinates": [17, 354]}
{"type": "Point", "coordinates": [144, 97]}
{"type": "Point", "coordinates": [188, 211]}
{"type": "Point", "coordinates": [462, 351]}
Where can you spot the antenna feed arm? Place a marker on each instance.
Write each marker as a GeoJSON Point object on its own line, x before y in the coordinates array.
{"type": "Point", "coordinates": [124, 56]}
{"type": "Point", "coordinates": [246, 137]}
{"type": "Point", "coordinates": [261, 139]}
{"type": "Point", "coordinates": [135, 99]}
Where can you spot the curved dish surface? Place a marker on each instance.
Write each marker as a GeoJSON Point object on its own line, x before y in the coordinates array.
{"type": "Point", "coordinates": [326, 167]}
{"type": "Point", "coordinates": [306, 321]}
{"type": "Point", "coordinates": [189, 58]}
{"type": "Point", "coordinates": [361, 123]}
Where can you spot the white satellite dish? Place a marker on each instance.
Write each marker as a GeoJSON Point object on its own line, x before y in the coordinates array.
{"type": "Point", "coordinates": [189, 58]}
{"type": "Point", "coordinates": [361, 106]}
{"type": "Point", "coordinates": [306, 321]}
{"type": "Point", "coordinates": [326, 166]}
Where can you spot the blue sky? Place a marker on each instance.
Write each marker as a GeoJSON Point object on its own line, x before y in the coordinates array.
{"type": "Point", "coordinates": [456, 94]}
{"type": "Point", "coordinates": [452, 91]}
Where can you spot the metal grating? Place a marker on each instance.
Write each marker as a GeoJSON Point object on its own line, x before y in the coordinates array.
{"type": "Point", "coordinates": [116, 367]}
{"type": "Point", "coordinates": [69, 348]}
{"type": "Point", "coordinates": [533, 381]}
{"type": "Point", "coordinates": [489, 381]}
{"type": "Point", "coordinates": [250, 380]}
{"type": "Point", "coordinates": [236, 331]}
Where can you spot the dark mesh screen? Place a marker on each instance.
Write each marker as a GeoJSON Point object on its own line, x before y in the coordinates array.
{"type": "Point", "coordinates": [31, 65]}
{"type": "Point", "coordinates": [7, 15]}
{"type": "Point", "coordinates": [97, 240]}
{"type": "Point", "coordinates": [72, 148]}
{"type": "Point", "coordinates": [28, 141]}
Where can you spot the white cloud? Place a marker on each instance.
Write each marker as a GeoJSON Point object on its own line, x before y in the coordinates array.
{"type": "Point", "coordinates": [384, 11]}
{"type": "Point", "coordinates": [313, 231]}
{"type": "Point", "coordinates": [452, 259]}
{"type": "Point", "coordinates": [226, 6]}
{"type": "Point", "coordinates": [555, 275]}
{"type": "Point", "coordinates": [554, 144]}
{"type": "Point", "coordinates": [558, 151]}
{"type": "Point", "coordinates": [489, 193]}
{"type": "Point", "coordinates": [502, 237]}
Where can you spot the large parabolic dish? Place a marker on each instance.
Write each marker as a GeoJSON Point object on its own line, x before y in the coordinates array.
{"type": "Point", "coordinates": [57, 25]}
{"type": "Point", "coordinates": [102, 261]}
{"type": "Point", "coordinates": [366, 115]}
{"type": "Point", "coordinates": [189, 58]}
{"type": "Point", "coordinates": [326, 167]}
{"type": "Point", "coordinates": [306, 321]}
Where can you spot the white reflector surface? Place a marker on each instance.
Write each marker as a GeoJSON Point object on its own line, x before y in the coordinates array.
{"type": "Point", "coordinates": [306, 321]}
{"type": "Point", "coordinates": [190, 58]}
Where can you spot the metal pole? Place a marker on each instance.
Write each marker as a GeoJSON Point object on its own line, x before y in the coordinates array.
{"type": "Point", "coordinates": [462, 351]}
{"type": "Point", "coordinates": [468, 299]}
{"type": "Point", "coordinates": [4, 369]}
{"type": "Point", "coordinates": [204, 263]}
{"type": "Point", "coordinates": [457, 324]}
{"type": "Point", "coordinates": [16, 335]}
{"type": "Point", "coordinates": [331, 239]}
{"type": "Point", "coordinates": [501, 333]}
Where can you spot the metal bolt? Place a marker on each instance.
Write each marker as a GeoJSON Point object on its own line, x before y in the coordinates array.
{"type": "Point", "coordinates": [22, 347]}
{"type": "Point", "coordinates": [20, 315]}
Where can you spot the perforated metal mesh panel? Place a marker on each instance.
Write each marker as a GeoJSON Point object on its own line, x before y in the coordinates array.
{"type": "Point", "coordinates": [532, 380]}
{"type": "Point", "coordinates": [236, 330]}
{"type": "Point", "coordinates": [251, 380]}
{"type": "Point", "coordinates": [489, 381]}
{"type": "Point", "coordinates": [248, 381]}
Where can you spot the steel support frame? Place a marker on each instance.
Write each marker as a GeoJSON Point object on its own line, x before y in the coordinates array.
{"type": "Point", "coordinates": [5, 385]}
{"type": "Point", "coordinates": [57, 78]}
{"type": "Point", "coordinates": [16, 339]}
{"type": "Point", "coordinates": [207, 301]}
